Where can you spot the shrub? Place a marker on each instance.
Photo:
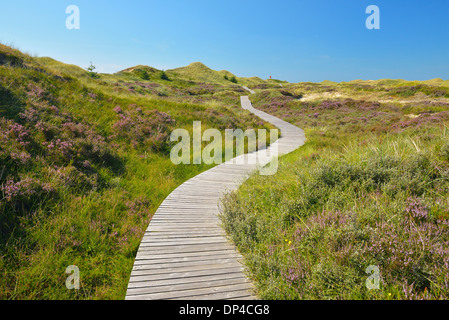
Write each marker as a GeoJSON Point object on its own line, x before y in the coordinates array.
{"type": "Point", "coordinates": [144, 75]}
{"type": "Point", "coordinates": [25, 190]}
{"type": "Point", "coordinates": [91, 71]}
{"type": "Point", "coordinates": [164, 76]}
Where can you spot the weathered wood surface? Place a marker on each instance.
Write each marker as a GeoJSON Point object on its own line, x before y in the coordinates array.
{"type": "Point", "coordinates": [185, 253]}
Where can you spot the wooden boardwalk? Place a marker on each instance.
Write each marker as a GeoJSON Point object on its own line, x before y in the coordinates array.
{"type": "Point", "coordinates": [185, 253]}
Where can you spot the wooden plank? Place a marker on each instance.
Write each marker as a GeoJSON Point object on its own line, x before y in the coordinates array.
{"type": "Point", "coordinates": [174, 260]}
{"type": "Point", "coordinates": [169, 244]}
{"type": "Point", "coordinates": [175, 269]}
{"type": "Point", "coordinates": [190, 235]}
{"type": "Point", "coordinates": [182, 264]}
{"type": "Point", "coordinates": [194, 292]}
{"type": "Point", "coordinates": [184, 248]}
{"type": "Point", "coordinates": [164, 240]}
{"type": "Point", "coordinates": [142, 256]}
{"type": "Point", "coordinates": [187, 286]}
{"type": "Point", "coordinates": [184, 275]}
{"type": "Point", "coordinates": [233, 295]}
{"type": "Point", "coordinates": [186, 234]}
{"type": "Point", "coordinates": [167, 282]}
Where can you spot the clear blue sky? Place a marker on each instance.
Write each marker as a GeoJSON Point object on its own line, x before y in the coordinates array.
{"type": "Point", "coordinates": [294, 40]}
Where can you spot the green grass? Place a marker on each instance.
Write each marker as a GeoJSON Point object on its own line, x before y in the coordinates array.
{"type": "Point", "coordinates": [369, 187]}
{"type": "Point", "coordinates": [199, 72]}
{"type": "Point", "coordinates": [84, 164]}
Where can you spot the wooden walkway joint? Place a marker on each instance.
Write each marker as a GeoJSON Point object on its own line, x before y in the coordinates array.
{"type": "Point", "coordinates": [185, 253]}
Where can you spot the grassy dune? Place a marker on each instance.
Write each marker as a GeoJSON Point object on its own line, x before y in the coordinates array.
{"type": "Point", "coordinates": [197, 71]}
{"type": "Point", "coordinates": [369, 188]}
{"type": "Point", "coordinates": [84, 164]}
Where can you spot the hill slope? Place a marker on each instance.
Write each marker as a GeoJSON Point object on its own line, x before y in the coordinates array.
{"type": "Point", "coordinates": [84, 163]}
{"type": "Point", "coordinates": [197, 71]}
{"type": "Point", "coordinates": [368, 191]}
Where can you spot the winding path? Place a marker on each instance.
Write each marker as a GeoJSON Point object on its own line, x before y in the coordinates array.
{"type": "Point", "coordinates": [185, 253]}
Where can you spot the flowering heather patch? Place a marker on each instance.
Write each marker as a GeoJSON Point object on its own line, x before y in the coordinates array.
{"type": "Point", "coordinates": [25, 189]}
{"type": "Point", "coordinates": [62, 138]}
{"type": "Point", "coordinates": [276, 103]}
{"type": "Point", "coordinates": [138, 207]}
{"type": "Point", "coordinates": [21, 157]}
{"type": "Point", "coordinates": [321, 221]}
{"type": "Point", "coordinates": [351, 115]}
{"type": "Point", "coordinates": [118, 109]}
{"type": "Point", "coordinates": [19, 133]}
{"type": "Point", "coordinates": [360, 105]}
{"type": "Point", "coordinates": [15, 146]}
{"type": "Point", "coordinates": [63, 147]}
{"type": "Point", "coordinates": [415, 251]}
{"type": "Point", "coordinates": [423, 119]}
{"type": "Point", "coordinates": [412, 254]}
{"type": "Point", "coordinates": [408, 91]}
{"type": "Point", "coordinates": [265, 86]}
{"type": "Point", "coordinates": [72, 178]}
{"type": "Point", "coordinates": [35, 92]}
{"type": "Point", "coordinates": [148, 85]}
{"type": "Point", "coordinates": [202, 89]}
{"type": "Point", "coordinates": [144, 129]}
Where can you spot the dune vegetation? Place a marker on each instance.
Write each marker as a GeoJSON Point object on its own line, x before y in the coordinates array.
{"type": "Point", "coordinates": [84, 164]}
{"type": "Point", "coordinates": [369, 189]}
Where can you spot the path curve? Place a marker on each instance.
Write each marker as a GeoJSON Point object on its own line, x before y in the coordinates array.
{"type": "Point", "coordinates": [185, 253]}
